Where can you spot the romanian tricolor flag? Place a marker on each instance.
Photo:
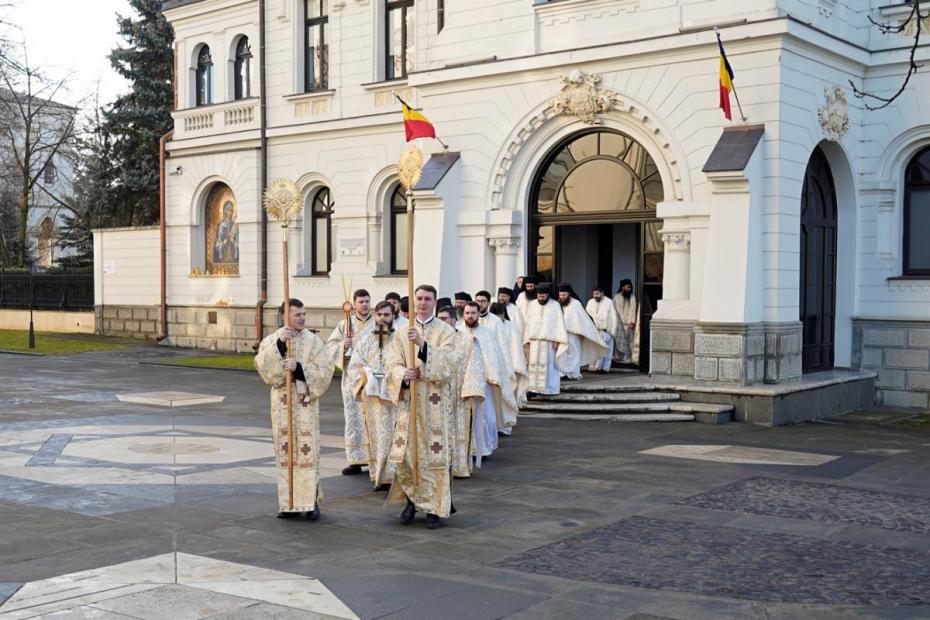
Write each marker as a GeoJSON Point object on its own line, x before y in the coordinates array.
{"type": "Point", "coordinates": [726, 80]}
{"type": "Point", "coordinates": [415, 124]}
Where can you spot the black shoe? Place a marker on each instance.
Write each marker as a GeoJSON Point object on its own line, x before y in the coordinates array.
{"type": "Point", "coordinates": [433, 522]}
{"type": "Point", "coordinates": [352, 470]}
{"type": "Point", "coordinates": [406, 517]}
{"type": "Point", "coordinates": [287, 515]}
{"type": "Point", "coordinates": [382, 488]}
{"type": "Point", "coordinates": [314, 514]}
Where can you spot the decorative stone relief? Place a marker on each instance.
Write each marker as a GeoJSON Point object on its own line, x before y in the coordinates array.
{"type": "Point", "coordinates": [307, 108]}
{"type": "Point", "coordinates": [826, 8]}
{"type": "Point", "coordinates": [573, 13]}
{"type": "Point", "coordinates": [581, 97]}
{"type": "Point", "coordinates": [910, 28]}
{"type": "Point", "coordinates": [834, 118]}
{"type": "Point", "coordinates": [505, 245]}
{"type": "Point", "coordinates": [386, 97]}
{"type": "Point", "coordinates": [680, 241]}
{"type": "Point", "coordinates": [620, 105]}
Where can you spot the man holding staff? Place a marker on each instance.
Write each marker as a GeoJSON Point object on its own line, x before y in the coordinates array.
{"type": "Point", "coordinates": [423, 477]}
{"type": "Point", "coordinates": [366, 375]}
{"type": "Point", "coordinates": [311, 369]}
{"type": "Point", "coordinates": [339, 345]}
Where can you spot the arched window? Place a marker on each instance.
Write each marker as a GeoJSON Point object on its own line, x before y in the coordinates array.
{"type": "Point", "coordinates": [398, 208]}
{"type": "Point", "coordinates": [321, 232]}
{"type": "Point", "coordinates": [204, 77]}
{"type": "Point", "coordinates": [45, 244]}
{"type": "Point", "coordinates": [917, 215]}
{"type": "Point", "coordinates": [242, 69]}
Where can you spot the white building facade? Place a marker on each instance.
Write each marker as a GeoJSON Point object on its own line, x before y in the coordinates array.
{"type": "Point", "coordinates": [584, 134]}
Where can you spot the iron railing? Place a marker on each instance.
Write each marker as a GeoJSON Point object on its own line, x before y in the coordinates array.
{"type": "Point", "coordinates": [47, 291]}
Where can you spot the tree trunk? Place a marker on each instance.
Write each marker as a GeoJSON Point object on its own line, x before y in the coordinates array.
{"type": "Point", "coordinates": [23, 221]}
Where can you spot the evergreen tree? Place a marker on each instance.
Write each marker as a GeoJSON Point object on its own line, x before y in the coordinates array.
{"type": "Point", "coordinates": [137, 120]}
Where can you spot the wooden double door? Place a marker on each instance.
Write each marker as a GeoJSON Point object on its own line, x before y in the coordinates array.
{"type": "Point", "coordinates": [818, 264]}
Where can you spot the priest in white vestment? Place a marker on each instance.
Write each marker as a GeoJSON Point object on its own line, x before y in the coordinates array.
{"type": "Point", "coordinates": [545, 342]}
{"type": "Point", "coordinates": [312, 371]}
{"type": "Point", "coordinates": [601, 309]}
{"type": "Point", "coordinates": [627, 346]}
{"type": "Point", "coordinates": [585, 345]}
{"type": "Point", "coordinates": [339, 345]}
{"type": "Point", "coordinates": [469, 390]}
{"type": "Point", "coordinates": [502, 409]}
{"type": "Point", "coordinates": [366, 375]}
{"type": "Point", "coordinates": [395, 300]}
{"type": "Point", "coordinates": [514, 345]}
{"type": "Point", "coordinates": [528, 295]}
{"type": "Point", "coordinates": [514, 314]}
{"type": "Point", "coordinates": [431, 370]}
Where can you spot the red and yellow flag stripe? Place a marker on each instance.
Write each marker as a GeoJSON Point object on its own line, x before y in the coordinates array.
{"type": "Point", "coordinates": [726, 81]}
{"type": "Point", "coordinates": [416, 125]}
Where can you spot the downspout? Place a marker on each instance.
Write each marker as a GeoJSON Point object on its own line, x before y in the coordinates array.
{"type": "Point", "coordinates": [163, 246]}
{"type": "Point", "coordinates": [263, 140]}
{"type": "Point", "coordinates": [162, 209]}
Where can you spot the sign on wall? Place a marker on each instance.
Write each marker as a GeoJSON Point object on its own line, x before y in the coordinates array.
{"type": "Point", "coordinates": [352, 246]}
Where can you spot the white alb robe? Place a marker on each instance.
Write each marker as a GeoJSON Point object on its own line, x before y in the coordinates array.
{"type": "Point", "coordinates": [546, 338]}
{"type": "Point", "coordinates": [605, 318]}
{"type": "Point", "coordinates": [355, 442]}
{"type": "Point", "coordinates": [584, 341]}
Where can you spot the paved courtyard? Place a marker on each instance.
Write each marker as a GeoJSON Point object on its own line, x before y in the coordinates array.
{"type": "Point", "coordinates": [116, 509]}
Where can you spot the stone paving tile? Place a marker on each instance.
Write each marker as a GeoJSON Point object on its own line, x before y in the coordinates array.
{"type": "Point", "coordinates": [734, 563]}
{"type": "Point", "coordinates": [267, 611]}
{"type": "Point", "coordinates": [8, 589]}
{"type": "Point", "coordinates": [819, 502]}
{"type": "Point", "coordinates": [174, 601]}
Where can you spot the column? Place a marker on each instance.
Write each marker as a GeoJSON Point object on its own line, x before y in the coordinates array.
{"type": "Point", "coordinates": [505, 260]}
{"type": "Point", "coordinates": [676, 282]}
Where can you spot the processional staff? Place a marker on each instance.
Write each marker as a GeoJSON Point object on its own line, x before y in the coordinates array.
{"type": "Point", "coordinates": [282, 202]}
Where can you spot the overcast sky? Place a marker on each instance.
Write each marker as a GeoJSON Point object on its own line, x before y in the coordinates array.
{"type": "Point", "coordinates": [72, 37]}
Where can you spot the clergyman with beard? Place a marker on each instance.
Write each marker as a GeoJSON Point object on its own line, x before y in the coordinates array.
{"type": "Point", "coordinates": [545, 341]}
{"type": "Point", "coordinates": [628, 310]}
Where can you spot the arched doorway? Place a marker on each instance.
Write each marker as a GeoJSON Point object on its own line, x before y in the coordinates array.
{"type": "Point", "coordinates": [818, 264]}
{"type": "Point", "coordinates": [592, 219]}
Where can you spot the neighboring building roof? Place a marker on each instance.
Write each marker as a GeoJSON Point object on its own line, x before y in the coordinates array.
{"type": "Point", "coordinates": [436, 168]}
{"type": "Point", "coordinates": [170, 4]}
{"type": "Point", "coordinates": [734, 148]}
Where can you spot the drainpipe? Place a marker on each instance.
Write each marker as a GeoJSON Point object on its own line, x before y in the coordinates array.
{"type": "Point", "coordinates": [263, 140]}
{"type": "Point", "coordinates": [163, 246]}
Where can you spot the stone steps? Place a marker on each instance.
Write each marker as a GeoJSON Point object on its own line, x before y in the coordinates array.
{"type": "Point", "coordinates": [630, 403]}
{"type": "Point", "coordinates": [609, 397]}
{"type": "Point", "coordinates": [569, 387]}
{"type": "Point", "coordinates": [618, 417]}
{"type": "Point", "coordinates": [657, 407]}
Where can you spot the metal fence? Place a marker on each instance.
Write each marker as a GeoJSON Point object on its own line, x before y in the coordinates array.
{"type": "Point", "coordinates": [47, 291]}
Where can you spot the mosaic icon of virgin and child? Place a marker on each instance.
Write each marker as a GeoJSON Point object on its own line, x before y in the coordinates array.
{"type": "Point", "coordinates": [226, 242]}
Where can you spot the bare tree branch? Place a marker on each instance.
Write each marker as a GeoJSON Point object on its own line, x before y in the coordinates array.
{"type": "Point", "coordinates": [915, 17]}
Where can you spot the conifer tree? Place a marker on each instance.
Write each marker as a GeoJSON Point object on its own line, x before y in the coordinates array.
{"type": "Point", "coordinates": [137, 120]}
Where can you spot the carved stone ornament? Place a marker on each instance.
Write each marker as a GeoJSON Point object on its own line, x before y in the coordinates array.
{"type": "Point", "coordinates": [677, 240]}
{"type": "Point", "coordinates": [834, 118]}
{"type": "Point", "coordinates": [505, 245]}
{"type": "Point", "coordinates": [581, 97]}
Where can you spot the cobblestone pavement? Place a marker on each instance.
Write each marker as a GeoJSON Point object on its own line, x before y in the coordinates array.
{"type": "Point", "coordinates": [739, 563]}
{"type": "Point", "coordinates": [819, 502]}
{"type": "Point", "coordinates": [111, 509]}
